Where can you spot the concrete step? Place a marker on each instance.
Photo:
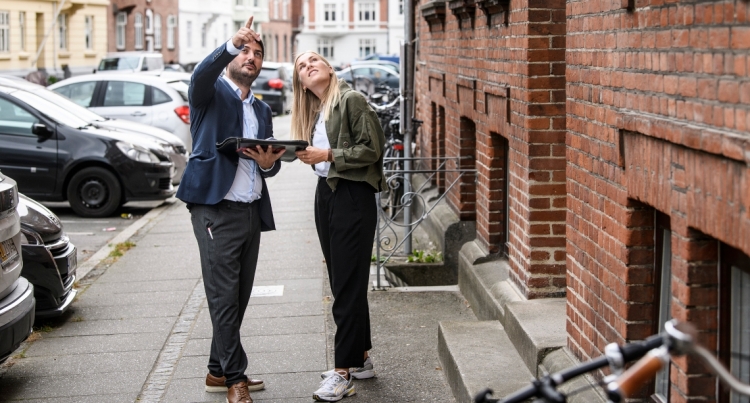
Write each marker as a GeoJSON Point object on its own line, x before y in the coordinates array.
{"type": "Point", "coordinates": [478, 355]}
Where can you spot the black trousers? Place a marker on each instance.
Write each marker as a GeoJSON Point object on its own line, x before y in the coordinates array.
{"type": "Point", "coordinates": [229, 254]}
{"type": "Point", "coordinates": [346, 221]}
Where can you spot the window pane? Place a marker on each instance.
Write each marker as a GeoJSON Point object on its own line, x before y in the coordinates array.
{"type": "Point", "coordinates": [159, 97]}
{"type": "Point", "coordinates": [123, 93]}
{"type": "Point", "coordinates": [740, 332]}
{"type": "Point", "coordinates": [15, 120]}
{"type": "Point", "coordinates": [80, 93]}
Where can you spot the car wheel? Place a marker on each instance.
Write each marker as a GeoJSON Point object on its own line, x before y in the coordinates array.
{"type": "Point", "coordinates": [94, 192]}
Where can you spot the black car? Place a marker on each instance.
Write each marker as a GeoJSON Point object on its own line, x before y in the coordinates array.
{"type": "Point", "coordinates": [273, 86]}
{"type": "Point", "coordinates": [54, 155]}
{"type": "Point", "coordinates": [49, 259]}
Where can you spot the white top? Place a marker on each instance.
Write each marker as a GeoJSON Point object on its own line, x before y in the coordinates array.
{"type": "Point", "coordinates": [247, 185]}
{"type": "Point", "coordinates": [320, 140]}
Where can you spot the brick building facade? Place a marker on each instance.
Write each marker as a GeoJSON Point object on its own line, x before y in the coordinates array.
{"type": "Point", "coordinates": [610, 140]}
{"type": "Point", "coordinates": [277, 33]}
{"type": "Point", "coordinates": [144, 25]}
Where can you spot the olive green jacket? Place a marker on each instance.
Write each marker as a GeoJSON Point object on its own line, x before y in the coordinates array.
{"type": "Point", "coordinates": [357, 141]}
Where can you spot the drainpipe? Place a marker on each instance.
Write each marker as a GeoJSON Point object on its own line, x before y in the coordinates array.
{"type": "Point", "coordinates": [407, 110]}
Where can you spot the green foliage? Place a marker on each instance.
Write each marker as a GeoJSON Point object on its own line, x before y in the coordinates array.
{"type": "Point", "coordinates": [423, 256]}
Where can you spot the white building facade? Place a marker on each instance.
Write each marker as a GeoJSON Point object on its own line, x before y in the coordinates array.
{"type": "Point", "coordinates": [395, 26]}
{"type": "Point", "coordinates": [346, 30]}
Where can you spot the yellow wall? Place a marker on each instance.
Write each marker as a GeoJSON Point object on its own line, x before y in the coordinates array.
{"type": "Point", "coordinates": [77, 57]}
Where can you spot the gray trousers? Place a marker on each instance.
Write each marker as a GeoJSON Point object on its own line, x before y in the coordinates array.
{"type": "Point", "coordinates": [229, 254]}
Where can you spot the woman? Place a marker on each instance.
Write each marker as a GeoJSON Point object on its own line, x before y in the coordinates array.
{"type": "Point", "coordinates": [346, 154]}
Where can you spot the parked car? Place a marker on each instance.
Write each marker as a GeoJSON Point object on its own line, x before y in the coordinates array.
{"type": "Point", "coordinates": [49, 259]}
{"type": "Point", "coordinates": [55, 155]}
{"type": "Point", "coordinates": [168, 142]}
{"type": "Point", "coordinates": [385, 63]}
{"type": "Point", "coordinates": [16, 293]}
{"type": "Point", "coordinates": [131, 62]}
{"type": "Point", "coordinates": [365, 78]}
{"type": "Point", "coordinates": [274, 87]}
{"type": "Point", "coordinates": [137, 97]}
{"type": "Point", "coordinates": [378, 57]}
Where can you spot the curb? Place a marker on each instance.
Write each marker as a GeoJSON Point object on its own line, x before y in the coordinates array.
{"type": "Point", "coordinates": [123, 236]}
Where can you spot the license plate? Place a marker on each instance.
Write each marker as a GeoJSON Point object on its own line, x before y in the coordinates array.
{"type": "Point", "coordinates": [259, 96]}
{"type": "Point", "coordinates": [8, 251]}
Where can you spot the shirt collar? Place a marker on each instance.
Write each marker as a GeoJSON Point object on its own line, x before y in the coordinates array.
{"type": "Point", "coordinates": [238, 91]}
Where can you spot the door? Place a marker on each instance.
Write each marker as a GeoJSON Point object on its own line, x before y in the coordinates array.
{"type": "Point", "coordinates": [24, 156]}
{"type": "Point", "coordinates": [125, 100]}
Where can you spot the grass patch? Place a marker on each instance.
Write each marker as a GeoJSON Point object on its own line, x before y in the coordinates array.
{"type": "Point", "coordinates": [121, 248]}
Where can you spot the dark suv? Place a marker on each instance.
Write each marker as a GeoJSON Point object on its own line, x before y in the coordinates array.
{"type": "Point", "coordinates": [16, 293]}
{"type": "Point", "coordinates": [274, 87]}
{"type": "Point", "coordinates": [56, 155]}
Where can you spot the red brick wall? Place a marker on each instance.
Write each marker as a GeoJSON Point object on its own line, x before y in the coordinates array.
{"type": "Point", "coordinates": [657, 102]}
{"type": "Point", "coordinates": [503, 80]}
{"type": "Point", "coordinates": [161, 7]}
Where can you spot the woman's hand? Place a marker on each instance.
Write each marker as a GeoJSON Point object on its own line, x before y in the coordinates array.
{"type": "Point", "coordinates": [312, 155]}
{"type": "Point", "coordinates": [265, 159]}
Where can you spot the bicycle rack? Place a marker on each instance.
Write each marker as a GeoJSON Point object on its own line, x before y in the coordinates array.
{"type": "Point", "coordinates": [387, 225]}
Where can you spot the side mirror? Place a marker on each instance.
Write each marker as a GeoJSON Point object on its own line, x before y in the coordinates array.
{"type": "Point", "coordinates": [40, 129]}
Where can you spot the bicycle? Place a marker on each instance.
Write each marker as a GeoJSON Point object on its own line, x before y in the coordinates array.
{"type": "Point", "coordinates": [652, 354]}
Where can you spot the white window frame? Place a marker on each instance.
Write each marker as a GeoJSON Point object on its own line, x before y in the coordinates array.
{"type": "Point", "coordinates": [157, 31]}
{"type": "Point", "coordinates": [276, 9]}
{"type": "Point", "coordinates": [22, 29]}
{"type": "Point", "coordinates": [367, 46]}
{"type": "Point", "coordinates": [138, 31]}
{"type": "Point", "coordinates": [171, 24]}
{"type": "Point", "coordinates": [285, 10]}
{"type": "Point", "coordinates": [4, 31]}
{"type": "Point", "coordinates": [122, 22]}
{"type": "Point", "coordinates": [62, 32]}
{"type": "Point", "coordinates": [400, 7]}
{"type": "Point", "coordinates": [325, 48]}
{"type": "Point", "coordinates": [88, 32]}
{"type": "Point", "coordinates": [239, 3]}
{"type": "Point", "coordinates": [329, 12]}
{"type": "Point", "coordinates": [366, 12]}
{"type": "Point", "coordinates": [149, 23]}
{"type": "Point", "coordinates": [189, 34]}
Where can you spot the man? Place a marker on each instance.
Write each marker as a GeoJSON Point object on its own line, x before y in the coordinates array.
{"type": "Point", "coordinates": [228, 199]}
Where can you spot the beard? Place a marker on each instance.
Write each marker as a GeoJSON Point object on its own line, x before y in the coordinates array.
{"type": "Point", "coordinates": [240, 76]}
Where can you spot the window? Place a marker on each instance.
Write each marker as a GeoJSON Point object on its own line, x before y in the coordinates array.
{"type": "Point", "coordinates": [149, 22]}
{"type": "Point", "coordinates": [4, 31]}
{"type": "Point", "coordinates": [189, 35]}
{"type": "Point", "coordinates": [159, 97]}
{"type": "Point", "coordinates": [285, 10]}
{"type": "Point", "coordinates": [15, 120]}
{"type": "Point", "coordinates": [204, 34]}
{"type": "Point", "coordinates": [276, 9]}
{"type": "Point", "coordinates": [122, 21]}
{"type": "Point", "coordinates": [734, 343]}
{"type": "Point", "coordinates": [329, 12]}
{"type": "Point", "coordinates": [22, 29]}
{"type": "Point", "coordinates": [255, 3]}
{"type": "Point", "coordinates": [88, 32]}
{"type": "Point", "coordinates": [80, 93]}
{"type": "Point", "coordinates": [400, 7]}
{"type": "Point", "coordinates": [239, 3]}
{"type": "Point", "coordinates": [366, 47]}
{"type": "Point", "coordinates": [139, 31]}
{"type": "Point", "coordinates": [325, 48]}
{"type": "Point", "coordinates": [226, 31]}
{"type": "Point", "coordinates": [367, 11]}
{"type": "Point", "coordinates": [663, 274]}
{"type": "Point", "coordinates": [171, 23]}
{"type": "Point", "coordinates": [124, 93]}
{"type": "Point", "coordinates": [62, 31]}
{"type": "Point", "coordinates": [157, 31]}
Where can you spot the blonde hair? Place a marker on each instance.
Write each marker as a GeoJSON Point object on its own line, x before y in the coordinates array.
{"type": "Point", "coordinates": [306, 105]}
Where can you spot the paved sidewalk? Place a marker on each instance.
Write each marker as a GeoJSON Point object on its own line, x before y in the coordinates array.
{"type": "Point", "coordinates": [140, 329]}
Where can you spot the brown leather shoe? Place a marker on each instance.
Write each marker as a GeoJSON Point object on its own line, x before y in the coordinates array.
{"type": "Point", "coordinates": [217, 384]}
{"type": "Point", "coordinates": [238, 393]}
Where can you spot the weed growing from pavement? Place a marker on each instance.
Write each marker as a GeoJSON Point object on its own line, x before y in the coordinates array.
{"type": "Point", "coordinates": [77, 319]}
{"type": "Point", "coordinates": [120, 248]}
{"type": "Point", "coordinates": [45, 328]}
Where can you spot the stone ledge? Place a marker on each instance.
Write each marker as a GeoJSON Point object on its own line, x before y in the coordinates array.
{"type": "Point", "coordinates": [536, 328]}
{"type": "Point", "coordinates": [561, 359]}
{"type": "Point", "coordinates": [478, 355]}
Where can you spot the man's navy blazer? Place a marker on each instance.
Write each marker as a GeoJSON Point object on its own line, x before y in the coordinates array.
{"type": "Point", "coordinates": [215, 115]}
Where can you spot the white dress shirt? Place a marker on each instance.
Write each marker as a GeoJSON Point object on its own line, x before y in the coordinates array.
{"type": "Point", "coordinates": [320, 140]}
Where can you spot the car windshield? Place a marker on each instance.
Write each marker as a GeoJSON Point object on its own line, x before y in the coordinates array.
{"type": "Point", "coordinates": [69, 105]}
{"type": "Point", "coordinates": [50, 109]}
{"type": "Point", "coordinates": [119, 63]}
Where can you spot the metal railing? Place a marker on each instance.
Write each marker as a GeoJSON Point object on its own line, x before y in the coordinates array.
{"type": "Point", "coordinates": [387, 239]}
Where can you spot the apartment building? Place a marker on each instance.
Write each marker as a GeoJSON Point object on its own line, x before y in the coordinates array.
{"type": "Point", "coordinates": [277, 32]}
{"type": "Point", "coordinates": [144, 25]}
{"type": "Point", "coordinates": [202, 30]}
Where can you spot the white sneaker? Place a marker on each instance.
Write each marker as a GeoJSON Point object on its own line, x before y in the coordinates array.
{"type": "Point", "coordinates": [366, 371]}
{"type": "Point", "coordinates": [334, 388]}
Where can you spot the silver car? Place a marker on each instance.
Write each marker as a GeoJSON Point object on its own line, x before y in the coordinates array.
{"type": "Point", "coordinates": [136, 97]}
{"type": "Point", "coordinates": [170, 144]}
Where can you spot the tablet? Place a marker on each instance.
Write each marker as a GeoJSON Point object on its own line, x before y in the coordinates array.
{"type": "Point", "coordinates": [237, 144]}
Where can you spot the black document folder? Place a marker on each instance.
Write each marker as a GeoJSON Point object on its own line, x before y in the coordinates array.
{"type": "Point", "coordinates": [234, 145]}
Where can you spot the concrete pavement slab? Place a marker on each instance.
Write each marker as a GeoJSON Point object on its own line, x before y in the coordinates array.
{"type": "Point", "coordinates": [116, 398]}
{"type": "Point", "coordinates": [141, 286]}
{"type": "Point", "coordinates": [54, 387]}
{"type": "Point", "coordinates": [278, 362]}
{"type": "Point", "coordinates": [116, 326]}
{"type": "Point", "coordinates": [94, 344]}
{"type": "Point", "coordinates": [85, 313]}
{"type": "Point", "coordinates": [262, 344]}
{"type": "Point", "coordinates": [91, 363]}
{"type": "Point", "coordinates": [134, 298]}
{"type": "Point", "coordinates": [267, 326]}
{"type": "Point", "coordinates": [288, 387]}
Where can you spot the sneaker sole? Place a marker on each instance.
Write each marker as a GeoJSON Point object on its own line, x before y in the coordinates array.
{"type": "Point", "coordinates": [223, 389]}
{"type": "Point", "coordinates": [363, 375]}
{"type": "Point", "coordinates": [350, 392]}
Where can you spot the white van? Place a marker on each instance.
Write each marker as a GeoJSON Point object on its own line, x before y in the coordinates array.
{"type": "Point", "coordinates": [131, 62]}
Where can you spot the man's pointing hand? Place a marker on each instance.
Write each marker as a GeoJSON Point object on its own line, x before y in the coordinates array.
{"type": "Point", "coordinates": [245, 35]}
